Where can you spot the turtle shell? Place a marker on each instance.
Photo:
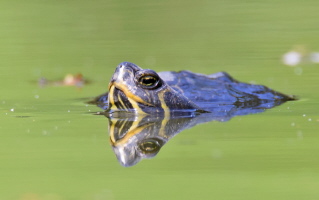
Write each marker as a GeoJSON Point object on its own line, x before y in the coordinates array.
{"type": "Point", "coordinates": [218, 89]}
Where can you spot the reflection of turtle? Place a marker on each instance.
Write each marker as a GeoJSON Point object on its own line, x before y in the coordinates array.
{"type": "Point", "coordinates": [137, 138]}
{"type": "Point", "coordinates": [142, 136]}
{"type": "Point", "coordinates": [142, 91]}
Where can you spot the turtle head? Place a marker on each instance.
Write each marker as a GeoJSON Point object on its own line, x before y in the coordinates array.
{"type": "Point", "coordinates": [142, 91]}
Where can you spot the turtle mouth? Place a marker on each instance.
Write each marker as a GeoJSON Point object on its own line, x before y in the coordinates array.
{"type": "Point", "coordinates": [118, 100]}
{"type": "Point", "coordinates": [125, 93]}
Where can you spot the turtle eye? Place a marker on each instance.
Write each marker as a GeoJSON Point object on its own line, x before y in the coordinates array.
{"type": "Point", "coordinates": [150, 146]}
{"type": "Point", "coordinates": [148, 80]}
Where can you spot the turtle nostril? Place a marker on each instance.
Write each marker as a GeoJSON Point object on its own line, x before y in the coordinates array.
{"type": "Point", "coordinates": [124, 64]}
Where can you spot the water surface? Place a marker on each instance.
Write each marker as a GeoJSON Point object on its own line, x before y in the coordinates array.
{"type": "Point", "coordinates": [53, 147]}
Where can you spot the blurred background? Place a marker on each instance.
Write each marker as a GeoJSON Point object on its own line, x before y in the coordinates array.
{"type": "Point", "coordinates": [53, 147]}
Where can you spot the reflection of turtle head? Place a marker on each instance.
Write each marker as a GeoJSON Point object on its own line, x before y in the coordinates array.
{"type": "Point", "coordinates": [143, 91]}
{"type": "Point", "coordinates": [138, 137]}
{"type": "Point", "coordinates": [135, 139]}
{"type": "Point", "coordinates": [128, 156]}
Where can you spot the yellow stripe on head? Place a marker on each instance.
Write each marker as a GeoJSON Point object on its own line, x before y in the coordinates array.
{"type": "Point", "coordinates": [111, 99]}
{"type": "Point", "coordinates": [163, 104]}
{"type": "Point", "coordinates": [129, 94]}
{"type": "Point", "coordinates": [166, 113]}
{"type": "Point", "coordinates": [136, 106]}
{"type": "Point", "coordinates": [121, 102]}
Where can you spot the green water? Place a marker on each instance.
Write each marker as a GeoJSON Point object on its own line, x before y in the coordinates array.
{"type": "Point", "coordinates": [53, 148]}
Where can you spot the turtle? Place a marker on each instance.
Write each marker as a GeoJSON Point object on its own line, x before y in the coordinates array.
{"type": "Point", "coordinates": [144, 92]}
